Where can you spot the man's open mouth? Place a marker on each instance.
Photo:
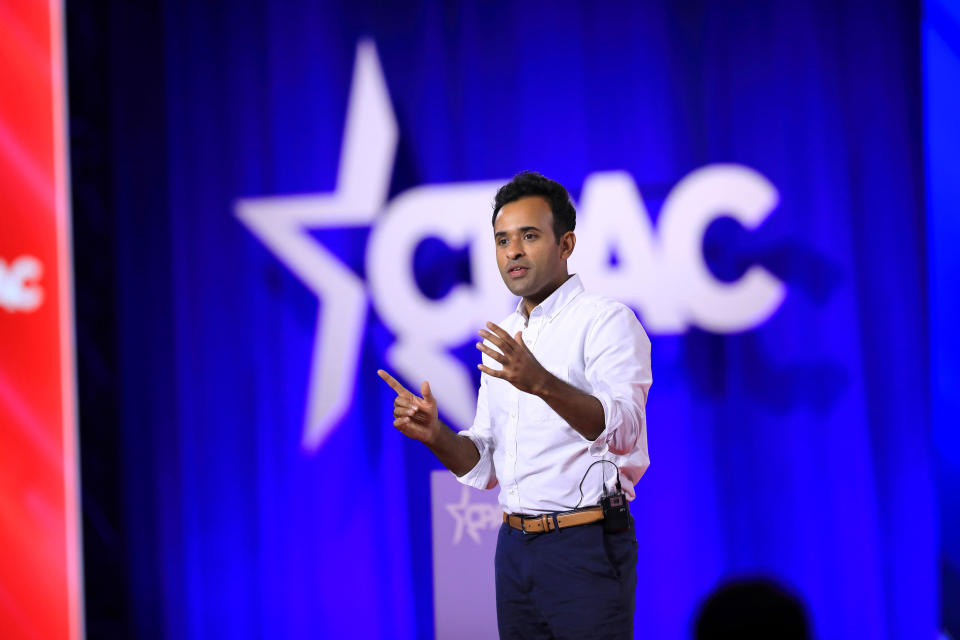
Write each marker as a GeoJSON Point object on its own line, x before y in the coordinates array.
{"type": "Point", "coordinates": [517, 272]}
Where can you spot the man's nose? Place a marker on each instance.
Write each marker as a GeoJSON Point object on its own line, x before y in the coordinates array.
{"type": "Point", "coordinates": [514, 252]}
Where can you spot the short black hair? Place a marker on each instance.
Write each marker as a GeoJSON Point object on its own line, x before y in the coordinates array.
{"type": "Point", "coordinates": [531, 183]}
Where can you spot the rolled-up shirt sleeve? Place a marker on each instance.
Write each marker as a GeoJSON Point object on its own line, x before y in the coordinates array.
{"type": "Point", "coordinates": [617, 368]}
{"type": "Point", "coordinates": [483, 475]}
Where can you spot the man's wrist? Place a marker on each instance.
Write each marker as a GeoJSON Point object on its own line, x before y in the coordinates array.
{"type": "Point", "coordinates": [457, 452]}
{"type": "Point", "coordinates": [548, 387]}
{"type": "Point", "coordinates": [577, 407]}
{"type": "Point", "coordinates": [437, 433]}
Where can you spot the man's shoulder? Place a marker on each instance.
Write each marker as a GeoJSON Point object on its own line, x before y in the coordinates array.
{"type": "Point", "coordinates": [597, 305]}
{"type": "Point", "coordinates": [601, 314]}
{"type": "Point", "coordinates": [608, 322]}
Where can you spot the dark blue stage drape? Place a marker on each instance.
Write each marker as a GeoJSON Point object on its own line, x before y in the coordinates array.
{"type": "Point", "coordinates": [797, 450]}
{"type": "Point", "coordinates": [941, 70]}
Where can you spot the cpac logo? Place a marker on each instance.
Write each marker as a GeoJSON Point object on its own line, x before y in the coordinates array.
{"type": "Point", "coordinates": [660, 272]}
{"type": "Point", "coordinates": [473, 518]}
{"type": "Point", "coordinates": [18, 291]}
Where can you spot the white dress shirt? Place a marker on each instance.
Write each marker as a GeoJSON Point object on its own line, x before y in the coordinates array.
{"type": "Point", "coordinates": [597, 345]}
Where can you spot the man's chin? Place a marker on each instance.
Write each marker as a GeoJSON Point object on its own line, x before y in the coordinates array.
{"type": "Point", "coordinates": [522, 293]}
{"type": "Point", "coordinates": [515, 288]}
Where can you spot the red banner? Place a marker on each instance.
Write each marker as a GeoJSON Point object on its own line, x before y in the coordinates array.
{"type": "Point", "coordinates": [40, 582]}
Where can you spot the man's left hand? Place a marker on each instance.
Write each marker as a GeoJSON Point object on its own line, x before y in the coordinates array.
{"type": "Point", "coordinates": [520, 367]}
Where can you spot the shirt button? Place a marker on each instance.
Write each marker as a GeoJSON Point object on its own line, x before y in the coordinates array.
{"type": "Point", "coordinates": [513, 414]}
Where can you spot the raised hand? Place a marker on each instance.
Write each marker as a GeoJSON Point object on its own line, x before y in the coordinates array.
{"type": "Point", "coordinates": [520, 367]}
{"type": "Point", "coordinates": [414, 416]}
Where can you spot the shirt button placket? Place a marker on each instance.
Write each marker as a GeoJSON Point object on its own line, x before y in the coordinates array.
{"type": "Point", "coordinates": [511, 452]}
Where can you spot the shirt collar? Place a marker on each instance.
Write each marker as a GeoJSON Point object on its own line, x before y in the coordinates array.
{"type": "Point", "coordinates": [556, 300]}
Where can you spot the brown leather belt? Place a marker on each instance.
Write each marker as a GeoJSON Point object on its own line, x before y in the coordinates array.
{"type": "Point", "coordinates": [551, 521]}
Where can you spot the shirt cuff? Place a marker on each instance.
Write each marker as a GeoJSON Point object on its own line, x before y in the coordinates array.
{"type": "Point", "coordinates": [621, 428]}
{"type": "Point", "coordinates": [601, 446]}
{"type": "Point", "coordinates": [481, 476]}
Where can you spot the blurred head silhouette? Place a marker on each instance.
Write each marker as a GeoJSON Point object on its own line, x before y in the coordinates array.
{"type": "Point", "coordinates": [753, 608]}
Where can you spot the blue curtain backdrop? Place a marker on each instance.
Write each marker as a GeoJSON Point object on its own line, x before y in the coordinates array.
{"type": "Point", "coordinates": [941, 70]}
{"type": "Point", "coordinates": [798, 450]}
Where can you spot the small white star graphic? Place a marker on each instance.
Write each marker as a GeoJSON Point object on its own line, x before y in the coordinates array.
{"type": "Point", "coordinates": [472, 517]}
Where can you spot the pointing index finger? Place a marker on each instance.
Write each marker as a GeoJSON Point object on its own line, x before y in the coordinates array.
{"type": "Point", "coordinates": [390, 380]}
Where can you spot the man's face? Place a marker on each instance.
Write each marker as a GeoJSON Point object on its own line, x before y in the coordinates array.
{"type": "Point", "coordinates": [532, 263]}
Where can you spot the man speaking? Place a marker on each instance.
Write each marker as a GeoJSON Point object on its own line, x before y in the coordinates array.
{"type": "Point", "coordinates": [560, 427]}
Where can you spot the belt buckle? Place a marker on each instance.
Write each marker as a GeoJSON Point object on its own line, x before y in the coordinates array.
{"type": "Point", "coordinates": [544, 519]}
{"type": "Point", "coordinates": [523, 524]}
{"type": "Point", "coordinates": [522, 527]}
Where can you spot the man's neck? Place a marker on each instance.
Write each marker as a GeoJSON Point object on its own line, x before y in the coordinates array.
{"type": "Point", "coordinates": [529, 304]}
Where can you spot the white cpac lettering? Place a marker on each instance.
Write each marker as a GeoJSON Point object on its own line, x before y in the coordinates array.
{"type": "Point", "coordinates": [18, 288]}
{"type": "Point", "coordinates": [661, 272]}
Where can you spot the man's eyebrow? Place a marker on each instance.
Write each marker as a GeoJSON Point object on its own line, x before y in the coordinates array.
{"type": "Point", "coordinates": [522, 230]}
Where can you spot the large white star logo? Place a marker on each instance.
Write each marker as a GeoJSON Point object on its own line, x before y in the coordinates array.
{"type": "Point", "coordinates": [283, 224]}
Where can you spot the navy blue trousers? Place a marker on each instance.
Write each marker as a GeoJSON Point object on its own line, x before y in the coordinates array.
{"type": "Point", "coordinates": [577, 582]}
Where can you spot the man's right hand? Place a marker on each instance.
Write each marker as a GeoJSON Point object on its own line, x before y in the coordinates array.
{"type": "Point", "coordinates": [417, 418]}
{"type": "Point", "coordinates": [414, 416]}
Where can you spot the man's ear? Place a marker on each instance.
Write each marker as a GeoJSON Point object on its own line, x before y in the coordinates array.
{"type": "Point", "coordinates": [567, 242]}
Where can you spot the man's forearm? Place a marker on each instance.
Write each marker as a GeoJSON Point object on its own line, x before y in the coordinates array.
{"type": "Point", "coordinates": [455, 452]}
{"type": "Point", "coordinates": [582, 411]}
